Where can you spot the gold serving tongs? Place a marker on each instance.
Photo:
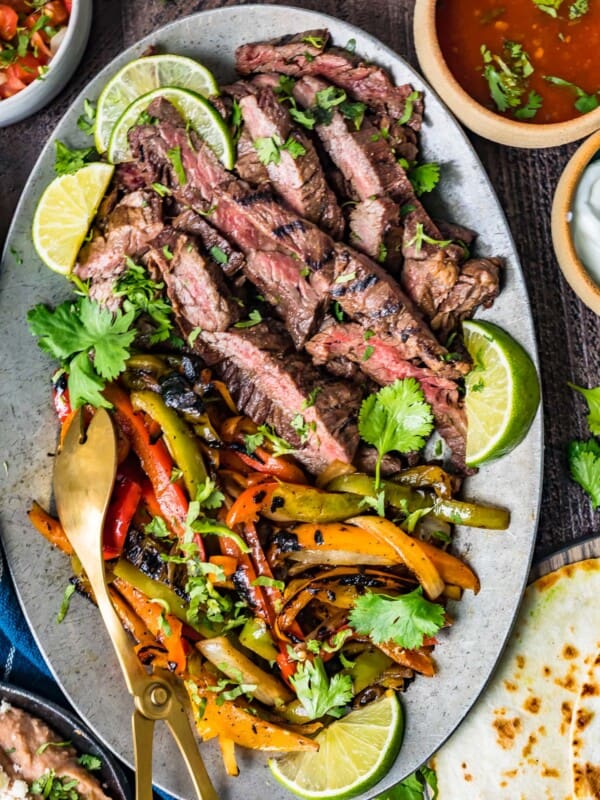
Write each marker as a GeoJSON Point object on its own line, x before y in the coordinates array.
{"type": "Point", "coordinates": [84, 476]}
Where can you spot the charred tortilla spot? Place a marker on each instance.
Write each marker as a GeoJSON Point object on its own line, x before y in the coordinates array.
{"type": "Point", "coordinates": [532, 704]}
{"type": "Point", "coordinates": [569, 651]}
{"type": "Point", "coordinates": [583, 718]}
{"type": "Point", "coordinates": [506, 731]}
{"type": "Point", "coordinates": [588, 689]}
{"type": "Point", "coordinates": [520, 661]}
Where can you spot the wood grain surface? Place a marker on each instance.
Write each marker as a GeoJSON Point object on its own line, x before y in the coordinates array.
{"type": "Point", "coordinates": [567, 332]}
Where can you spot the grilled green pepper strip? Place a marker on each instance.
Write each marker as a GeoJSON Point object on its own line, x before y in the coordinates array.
{"type": "Point", "coordinates": [409, 500]}
{"type": "Point", "coordinates": [256, 637]}
{"type": "Point", "coordinates": [294, 503]}
{"type": "Point", "coordinates": [157, 590]}
{"type": "Point", "coordinates": [424, 476]}
{"type": "Point", "coordinates": [180, 441]}
{"type": "Point", "coordinates": [368, 668]}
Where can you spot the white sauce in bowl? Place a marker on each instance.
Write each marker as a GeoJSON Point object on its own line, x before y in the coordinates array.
{"type": "Point", "coordinates": [585, 223]}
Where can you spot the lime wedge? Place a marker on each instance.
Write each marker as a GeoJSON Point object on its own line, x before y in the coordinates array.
{"type": "Point", "coordinates": [354, 753]}
{"type": "Point", "coordinates": [65, 212]}
{"type": "Point", "coordinates": [503, 392]}
{"type": "Point", "coordinates": [142, 76]}
{"type": "Point", "coordinates": [197, 111]}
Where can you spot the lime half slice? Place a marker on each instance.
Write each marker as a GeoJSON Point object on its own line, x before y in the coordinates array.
{"type": "Point", "coordinates": [65, 213]}
{"type": "Point", "coordinates": [142, 76]}
{"type": "Point", "coordinates": [198, 113]}
{"type": "Point", "coordinates": [354, 753]}
{"type": "Point", "coordinates": [503, 392]}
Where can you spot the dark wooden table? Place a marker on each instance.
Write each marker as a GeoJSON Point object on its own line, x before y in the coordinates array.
{"type": "Point", "coordinates": [567, 332]}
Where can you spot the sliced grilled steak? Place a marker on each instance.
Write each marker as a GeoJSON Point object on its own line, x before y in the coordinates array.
{"type": "Point", "coordinates": [256, 222]}
{"type": "Point", "coordinates": [368, 83]}
{"type": "Point", "coordinates": [401, 138]}
{"type": "Point", "coordinates": [248, 165]}
{"type": "Point", "coordinates": [271, 383]}
{"type": "Point", "coordinates": [478, 285]}
{"type": "Point", "coordinates": [218, 247]}
{"type": "Point", "coordinates": [370, 296]}
{"type": "Point", "coordinates": [375, 229]}
{"type": "Point", "coordinates": [296, 174]}
{"type": "Point", "coordinates": [363, 156]}
{"type": "Point", "coordinates": [195, 285]}
{"type": "Point", "coordinates": [126, 230]}
{"type": "Point", "coordinates": [381, 359]}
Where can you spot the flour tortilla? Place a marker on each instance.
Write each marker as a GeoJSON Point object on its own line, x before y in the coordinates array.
{"type": "Point", "coordinates": [515, 743]}
{"type": "Point", "coordinates": [585, 734]}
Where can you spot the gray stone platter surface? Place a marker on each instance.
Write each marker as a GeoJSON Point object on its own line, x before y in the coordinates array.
{"type": "Point", "coordinates": [78, 650]}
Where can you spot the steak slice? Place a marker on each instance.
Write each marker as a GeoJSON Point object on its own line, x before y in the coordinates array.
{"type": "Point", "coordinates": [216, 246]}
{"type": "Point", "coordinates": [381, 359]}
{"type": "Point", "coordinates": [248, 165]}
{"type": "Point", "coordinates": [365, 82]}
{"type": "Point", "coordinates": [363, 156]}
{"type": "Point", "coordinates": [371, 297]}
{"type": "Point", "coordinates": [271, 383]}
{"type": "Point", "coordinates": [194, 284]}
{"type": "Point", "coordinates": [375, 229]}
{"type": "Point", "coordinates": [126, 230]}
{"type": "Point", "coordinates": [478, 285]}
{"type": "Point", "coordinates": [296, 174]}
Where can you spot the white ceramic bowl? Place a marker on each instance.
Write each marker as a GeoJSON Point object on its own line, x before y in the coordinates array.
{"type": "Point", "coordinates": [40, 92]}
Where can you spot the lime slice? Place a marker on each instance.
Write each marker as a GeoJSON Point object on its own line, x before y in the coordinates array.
{"type": "Point", "coordinates": [65, 213]}
{"type": "Point", "coordinates": [142, 76]}
{"type": "Point", "coordinates": [503, 392]}
{"type": "Point", "coordinates": [354, 753]}
{"type": "Point", "coordinates": [198, 112]}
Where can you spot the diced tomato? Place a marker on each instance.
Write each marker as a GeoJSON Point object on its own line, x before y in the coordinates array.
{"type": "Point", "coordinates": [9, 19]}
{"type": "Point", "coordinates": [40, 46]}
{"type": "Point", "coordinates": [57, 11]}
{"type": "Point", "coordinates": [69, 6]}
{"type": "Point", "coordinates": [20, 6]}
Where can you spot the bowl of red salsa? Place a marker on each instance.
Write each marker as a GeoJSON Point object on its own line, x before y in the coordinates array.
{"type": "Point", "coordinates": [520, 72]}
{"type": "Point", "coordinates": [41, 44]}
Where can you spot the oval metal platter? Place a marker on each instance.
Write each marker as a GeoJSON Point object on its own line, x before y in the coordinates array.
{"type": "Point", "coordinates": [78, 650]}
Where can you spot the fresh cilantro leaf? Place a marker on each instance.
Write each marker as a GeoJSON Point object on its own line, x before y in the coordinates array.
{"type": "Point", "coordinates": [280, 446]}
{"type": "Point", "coordinates": [209, 496]}
{"type": "Point", "coordinates": [592, 397]}
{"type": "Point", "coordinates": [142, 295]}
{"type": "Point", "coordinates": [304, 117]}
{"type": "Point", "coordinates": [346, 277]}
{"type": "Point", "coordinates": [43, 747]}
{"type": "Point", "coordinates": [424, 177]}
{"type": "Point", "coordinates": [90, 762]}
{"type": "Point", "coordinates": [193, 335]}
{"type": "Point", "coordinates": [550, 7]}
{"type": "Point", "coordinates": [174, 156]}
{"type": "Point", "coordinates": [267, 148]}
{"type": "Point", "coordinates": [53, 787]}
{"type": "Point", "coordinates": [312, 397]}
{"type": "Point", "coordinates": [530, 109]}
{"type": "Point", "coordinates": [91, 342]}
{"type": "Point", "coordinates": [354, 112]}
{"type": "Point", "coordinates": [330, 97]}
{"type": "Point", "coordinates": [507, 76]}
{"type": "Point", "coordinates": [252, 441]}
{"type": "Point", "coordinates": [584, 464]}
{"type": "Point", "coordinates": [16, 255]}
{"type": "Point", "coordinates": [421, 237]}
{"type": "Point", "coordinates": [161, 190]}
{"type": "Point", "coordinates": [413, 787]}
{"type": "Point", "coordinates": [254, 318]}
{"type": "Point", "coordinates": [382, 253]}
{"type": "Point", "coordinates": [319, 694]}
{"type": "Point", "coordinates": [157, 527]}
{"type": "Point", "coordinates": [376, 502]}
{"type": "Point", "coordinates": [350, 45]}
{"type": "Point", "coordinates": [409, 105]}
{"type": "Point", "coordinates": [338, 311]}
{"type": "Point", "coordinates": [369, 350]}
{"type": "Point", "coordinates": [405, 620]}
{"type": "Point", "coordinates": [67, 160]}
{"type": "Point", "coordinates": [86, 121]}
{"type": "Point", "coordinates": [285, 88]}
{"type": "Point", "coordinates": [578, 9]}
{"type": "Point", "coordinates": [395, 418]}
{"type": "Point", "coordinates": [66, 601]}
{"type": "Point", "coordinates": [411, 519]}
{"type": "Point", "coordinates": [584, 102]}
{"type": "Point", "coordinates": [220, 256]}
{"type": "Point", "coordinates": [293, 147]}
{"type": "Point", "coordinates": [315, 41]}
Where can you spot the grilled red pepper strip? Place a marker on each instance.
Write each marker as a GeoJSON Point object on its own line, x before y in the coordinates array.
{"type": "Point", "coordinates": [155, 460]}
{"type": "Point", "coordinates": [123, 505]}
{"type": "Point", "coordinates": [263, 461]}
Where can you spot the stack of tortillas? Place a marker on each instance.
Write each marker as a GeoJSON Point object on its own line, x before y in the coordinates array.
{"type": "Point", "coordinates": [535, 732]}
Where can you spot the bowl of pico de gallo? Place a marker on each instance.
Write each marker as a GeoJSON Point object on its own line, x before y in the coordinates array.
{"type": "Point", "coordinates": [41, 44]}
